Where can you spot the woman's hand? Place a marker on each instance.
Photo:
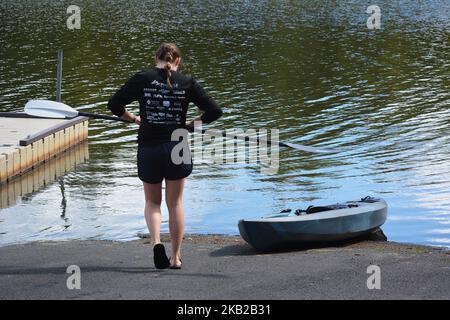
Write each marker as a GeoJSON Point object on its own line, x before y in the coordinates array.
{"type": "Point", "coordinates": [131, 117]}
{"type": "Point", "coordinates": [190, 126]}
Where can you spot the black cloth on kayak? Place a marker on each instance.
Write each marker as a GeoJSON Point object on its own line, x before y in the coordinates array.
{"type": "Point", "coordinates": [163, 109]}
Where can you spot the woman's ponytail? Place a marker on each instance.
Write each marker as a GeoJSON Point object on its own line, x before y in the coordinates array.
{"type": "Point", "coordinates": [168, 68]}
{"type": "Point", "coordinates": [168, 52]}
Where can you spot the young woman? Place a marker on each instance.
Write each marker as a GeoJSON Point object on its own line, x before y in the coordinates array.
{"type": "Point", "coordinates": [164, 95]}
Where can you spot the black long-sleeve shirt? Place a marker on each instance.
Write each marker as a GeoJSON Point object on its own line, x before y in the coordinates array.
{"type": "Point", "coordinates": [163, 109]}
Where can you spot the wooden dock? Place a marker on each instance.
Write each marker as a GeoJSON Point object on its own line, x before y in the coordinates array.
{"type": "Point", "coordinates": [28, 142]}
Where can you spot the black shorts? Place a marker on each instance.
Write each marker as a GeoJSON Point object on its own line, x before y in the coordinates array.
{"type": "Point", "coordinates": [155, 163]}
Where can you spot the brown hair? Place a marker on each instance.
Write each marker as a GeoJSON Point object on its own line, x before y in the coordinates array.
{"type": "Point", "coordinates": [168, 52]}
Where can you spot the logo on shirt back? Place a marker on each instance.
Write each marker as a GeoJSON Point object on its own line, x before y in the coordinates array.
{"type": "Point", "coordinates": [156, 83]}
{"type": "Point", "coordinates": [153, 103]}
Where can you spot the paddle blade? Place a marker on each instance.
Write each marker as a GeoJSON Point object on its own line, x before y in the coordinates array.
{"type": "Point", "coordinates": [49, 109]}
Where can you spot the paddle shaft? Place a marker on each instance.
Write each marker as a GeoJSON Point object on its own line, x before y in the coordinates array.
{"type": "Point", "coordinates": [265, 141]}
{"type": "Point", "coordinates": [204, 131]}
{"type": "Point", "coordinates": [246, 138]}
{"type": "Point", "coordinates": [100, 116]}
{"type": "Point", "coordinates": [218, 133]}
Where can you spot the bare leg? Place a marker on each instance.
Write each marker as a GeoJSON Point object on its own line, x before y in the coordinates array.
{"type": "Point", "coordinates": [153, 210]}
{"type": "Point", "coordinates": [174, 199]}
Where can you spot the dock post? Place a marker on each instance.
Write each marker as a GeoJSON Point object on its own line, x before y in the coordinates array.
{"type": "Point", "coordinates": [59, 75]}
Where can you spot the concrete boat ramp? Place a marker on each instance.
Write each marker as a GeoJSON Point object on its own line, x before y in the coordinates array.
{"type": "Point", "coordinates": [223, 268]}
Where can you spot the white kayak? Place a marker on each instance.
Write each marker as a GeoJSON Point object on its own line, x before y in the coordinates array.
{"type": "Point", "coordinates": [331, 223]}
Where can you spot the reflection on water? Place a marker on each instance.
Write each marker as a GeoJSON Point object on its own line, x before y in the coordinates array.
{"type": "Point", "coordinates": [310, 69]}
{"type": "Point", "coordinates": [21, 194]}
{"type": "Point", "coordinates": [25, 186]}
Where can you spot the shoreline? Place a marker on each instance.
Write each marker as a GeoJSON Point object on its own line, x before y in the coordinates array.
{"type": "Point", "coordinates": [224, 239]}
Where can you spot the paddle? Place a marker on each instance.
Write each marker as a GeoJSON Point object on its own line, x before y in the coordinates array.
{"type": "Point", "coordinates": [58, 110]}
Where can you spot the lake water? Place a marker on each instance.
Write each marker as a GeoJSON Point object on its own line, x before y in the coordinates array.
{"type": "Point", "coordinates": [311, 69]}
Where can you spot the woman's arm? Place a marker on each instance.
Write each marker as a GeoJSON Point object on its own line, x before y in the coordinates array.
{"type": "Point", "coordinates": [128, 93]}
{"type": "Point", "coordinates": [211, 110]}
